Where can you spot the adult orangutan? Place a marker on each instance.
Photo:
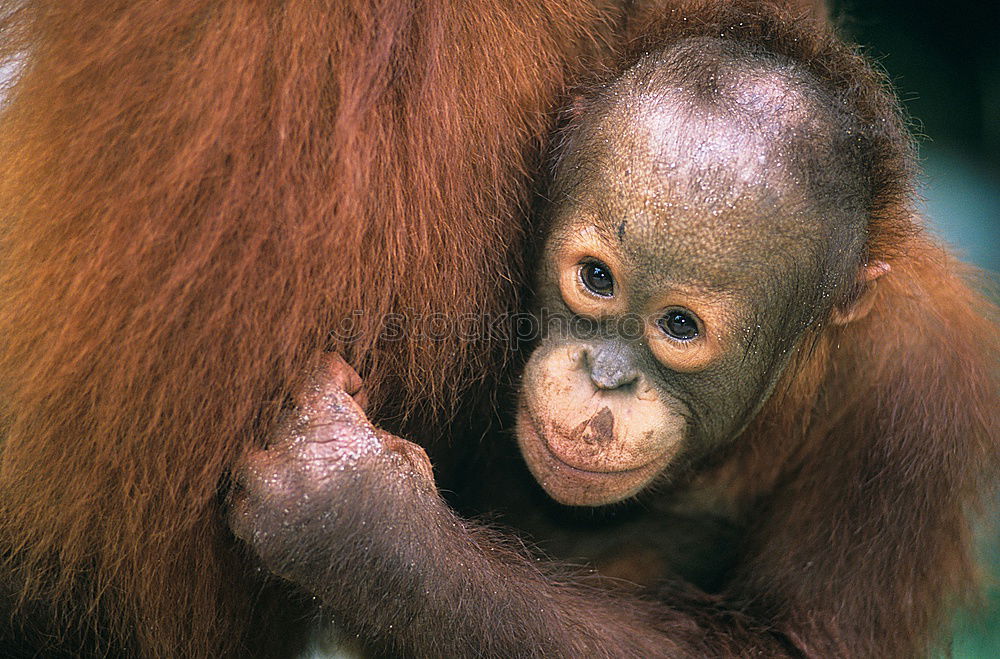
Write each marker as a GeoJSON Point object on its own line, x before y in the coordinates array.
{"type": "Point", "coordinates": [747, 332]}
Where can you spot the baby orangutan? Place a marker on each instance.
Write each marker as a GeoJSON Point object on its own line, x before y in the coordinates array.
{"type": "Point", "coordinates": [720, 214]}
{"type": "Point", "coordinates": [703, 226]}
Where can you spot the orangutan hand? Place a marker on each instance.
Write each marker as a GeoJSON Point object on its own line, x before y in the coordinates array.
{"type": "Point", "coordinates": [327, 472]}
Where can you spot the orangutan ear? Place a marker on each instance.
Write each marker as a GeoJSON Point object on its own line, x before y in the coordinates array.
{"type": "Point", "coordinates": [862, 304]}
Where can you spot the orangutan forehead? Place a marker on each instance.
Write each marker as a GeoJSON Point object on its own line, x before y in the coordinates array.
{"type": "Point", "coordinates": [687, 155]}
{"type": "Point", "coordinates": [660, 176]}
{"type": "Point", "coordinates": [715, 102]}
{"type": "Point", "coordinates": [688, 114]}
{"type": "Point", "coordinates": [725, 77]}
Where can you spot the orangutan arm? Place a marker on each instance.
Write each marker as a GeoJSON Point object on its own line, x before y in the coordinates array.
{"type": "Point", "coordinates": [350, 514]}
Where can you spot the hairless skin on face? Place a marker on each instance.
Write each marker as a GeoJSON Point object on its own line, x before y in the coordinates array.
{"type": "Point", "coordinates": [696, 210]}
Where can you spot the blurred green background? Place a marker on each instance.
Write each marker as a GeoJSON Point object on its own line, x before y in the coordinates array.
{"type": "Point", "coordinates": [944, 59]}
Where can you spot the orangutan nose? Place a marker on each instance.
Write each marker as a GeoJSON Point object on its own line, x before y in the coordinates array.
{"type": "Point", "coordinates": [610, 366]}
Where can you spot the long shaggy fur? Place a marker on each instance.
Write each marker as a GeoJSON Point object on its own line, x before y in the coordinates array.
{"type": "Point", "coordinates": [194, 196]}
{"type": "Point", "coordinates": [878, 451]}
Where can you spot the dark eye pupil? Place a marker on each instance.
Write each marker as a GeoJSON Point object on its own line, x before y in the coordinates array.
{"type": "Point", "coordinates": [679, 325]}
{"type": "Point", "coordinates": [597, 278]}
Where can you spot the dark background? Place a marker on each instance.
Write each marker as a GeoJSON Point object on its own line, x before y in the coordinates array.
{"type": "Point", "coordinates": [944, 60]}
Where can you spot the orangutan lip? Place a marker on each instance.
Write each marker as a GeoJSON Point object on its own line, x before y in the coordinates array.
{"type": "Point", "coordinates": [609, 473]}
{"type": "Point", "coordinates": [562, 463]}
{"type": "Point", "coordinates": [589, 472]}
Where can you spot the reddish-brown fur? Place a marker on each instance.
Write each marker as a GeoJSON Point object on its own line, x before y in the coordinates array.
{"type": "Point", "coordinates": [194, 193]}
{"type": "Point", "coordinates": [891, 421]}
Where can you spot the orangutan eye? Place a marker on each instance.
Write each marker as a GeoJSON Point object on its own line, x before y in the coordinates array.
{"type": "Point", "coordinates": [679, 324]}
{"type": "Point", "coordinates": [596, 278]}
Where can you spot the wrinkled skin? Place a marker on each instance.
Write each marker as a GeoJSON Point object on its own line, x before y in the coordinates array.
{"type": "Point", "coordinates": [327, 452]}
